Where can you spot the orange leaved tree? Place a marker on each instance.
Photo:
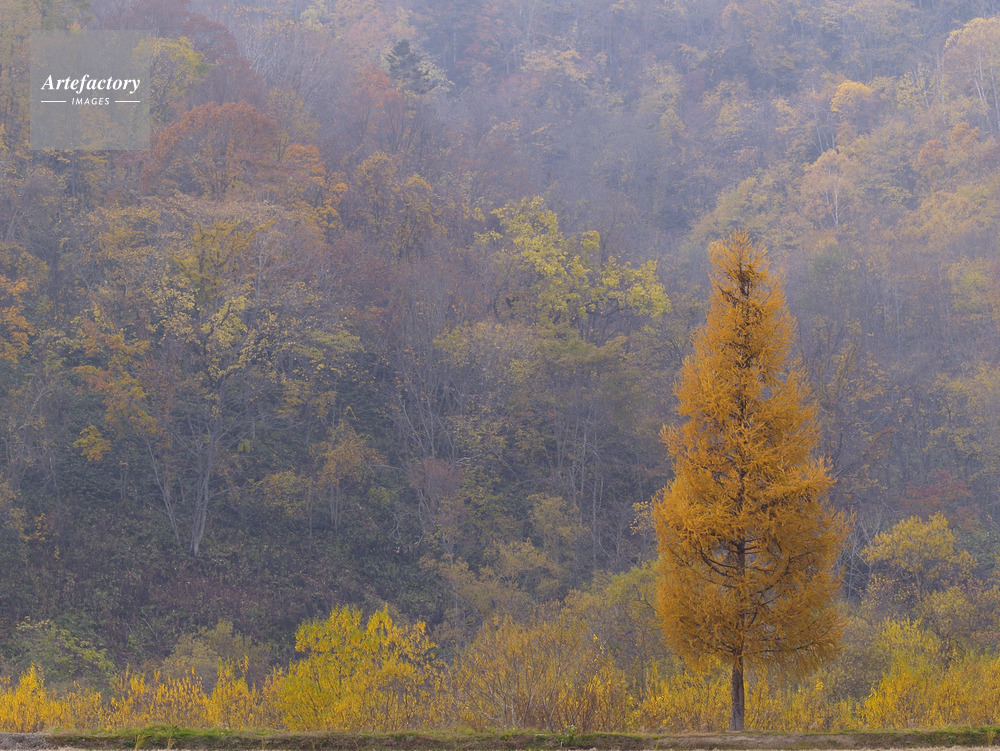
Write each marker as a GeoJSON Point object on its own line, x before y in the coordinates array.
{"type": "Point", "coordinates": [748, 547]}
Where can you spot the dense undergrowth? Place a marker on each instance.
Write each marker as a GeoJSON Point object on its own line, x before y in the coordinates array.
{"type": "Point", "coordinates": [915, 654]}
{"type": "Point", "coordinates": [381, 677]}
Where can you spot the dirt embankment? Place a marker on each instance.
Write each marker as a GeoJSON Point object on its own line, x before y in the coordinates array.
{"type": "Point", "coordinates": [177, 738]}
{"type": "Point", "coordinates": [19, 741]}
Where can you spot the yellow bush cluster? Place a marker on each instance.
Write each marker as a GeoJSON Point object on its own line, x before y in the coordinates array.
{"type": "Point", "coordinates": [26, 707]}
{"type": "Point", "coordinates": [377, 676]}
{"type": "Point", "coordinates": [920, 692]}
{"type": "Point", "coordinates": [136, 700]}
{"type": "Point", "coordinates": [547, 674]}
{"type": "Point", "coordinates": [686, 702]}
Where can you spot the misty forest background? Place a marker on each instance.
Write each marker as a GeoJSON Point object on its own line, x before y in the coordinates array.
{"type": "Point", "coordinates": [391, 310]}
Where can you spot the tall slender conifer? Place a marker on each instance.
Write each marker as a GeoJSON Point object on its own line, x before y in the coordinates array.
{"type": "Point", "coordinates": [748, 546]}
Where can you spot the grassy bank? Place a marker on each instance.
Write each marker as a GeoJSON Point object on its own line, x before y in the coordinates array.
{"type": "Point", "coordinates": [167, 737]}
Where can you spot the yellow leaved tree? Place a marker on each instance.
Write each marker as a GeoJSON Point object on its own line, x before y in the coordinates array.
{"type": "Point", "coordinates": [914, 560]}
{"type": "Point", "coordinates": [747, 545]}
{"type": "Point", "coordinates": [378, 676]}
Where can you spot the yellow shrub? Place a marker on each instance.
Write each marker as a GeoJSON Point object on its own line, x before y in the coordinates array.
{"type": "Point", "coordinates": [544, 675]}
{"type": "Point", "coordinates": [967, 692]}
{"type": "Point", "coordinates": [27, 707]}
{"type": "Point", "coordinates": [233, 703]}
{"type": "Point", "coordinates": [900, 700]}
{"type": "Point", "coordinates": [81, 709]}
{"type": "Point", "coordinates": [904, 697]}
{"type": "Point", "coordinates": [375, 677]}
{"type": "Point", "coordinates": [796, 708]}
{"type": "Point", "coordinates": [139, 701]}
{"type": "Point", "coordinates": [685, 702]}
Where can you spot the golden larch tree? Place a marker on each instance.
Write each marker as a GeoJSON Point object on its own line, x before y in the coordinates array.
{"type": "Point", "coordinates": [748, 546]}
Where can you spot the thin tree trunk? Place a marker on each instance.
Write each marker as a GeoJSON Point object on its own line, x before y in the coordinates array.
{"type": "Point", "coordinates": [738, 710]}
{"type": "Point", "coordinates": [202, 497]}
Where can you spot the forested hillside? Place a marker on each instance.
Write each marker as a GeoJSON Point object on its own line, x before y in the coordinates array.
{"type": "Point", "coordinates": [391, 311]}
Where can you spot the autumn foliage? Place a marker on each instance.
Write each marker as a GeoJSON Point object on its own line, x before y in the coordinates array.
{"type": "Point", "coordinates": [746, 543]}
{"type": "Point", "coordinates": [388, 313]}
{"type": "Point", "coordinates": [361, 676]}
{"type": "Point", "coordinates": [213, 148]}
{"type": "Point", "coordinates": [541, 674]}
{"type": "Point", "coordinates": [554, 672]}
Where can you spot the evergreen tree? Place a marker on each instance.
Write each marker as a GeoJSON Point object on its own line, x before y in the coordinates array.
{"type": "Point", "coordinates": [408, 69]}
{"type": "Point", "coordinates": [747, 545]}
